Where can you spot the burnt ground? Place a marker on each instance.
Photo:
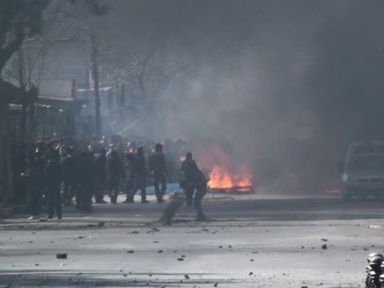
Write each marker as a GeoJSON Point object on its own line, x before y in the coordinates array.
{"type": "Point", "coordinates": [250, 241]}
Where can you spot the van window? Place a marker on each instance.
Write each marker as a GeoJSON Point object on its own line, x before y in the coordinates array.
{"type": "Point", "coordinates": [366, 162]}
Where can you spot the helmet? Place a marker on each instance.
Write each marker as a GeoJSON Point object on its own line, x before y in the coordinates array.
{"type": "Point", "coordinates": [158, 147]}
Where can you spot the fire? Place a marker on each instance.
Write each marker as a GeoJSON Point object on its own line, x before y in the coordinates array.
{"type": "Point", "coordinates": [221, 177]}
{"type": "Point", "coordinates": [224, 173]}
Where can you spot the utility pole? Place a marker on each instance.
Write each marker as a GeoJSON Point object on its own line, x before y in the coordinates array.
{"type": "Point", "coordinates": [122, 102]}
{"type": "Point", "coordinates": [95, 76]}
{"type": "Point", "coordinates": [24, 100]}
{"type": "Point", "coordinates": [122, 95]}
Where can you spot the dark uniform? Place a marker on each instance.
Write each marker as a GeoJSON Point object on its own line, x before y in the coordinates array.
{"type": "Point", "coordinates": [139, 173]}
{"type": "Point", "coordinates": [86, 180]}
{"type": "Point", "coordinates": [158, 169]}
{"type": "Point", "coordinates": [129, 177]}
{"type": "Point", "coordinates": [36, 182]}
{"type": "Point", "coordinates": [53, 181]}
{"type": "Point", "coordinates": [200, 184]}
{"type": "Point", "coordinates": [188, 168]}
{"type": "Point", "coordinates": [100, 176]}
{"type": "Point", "coordinates": [69, 169]}
{"type": "Point", "coordinates": [115, 173]}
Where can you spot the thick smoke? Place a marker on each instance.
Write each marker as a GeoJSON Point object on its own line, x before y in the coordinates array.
{"type": "Point", "coordinates": [248, 84]}
{"type": "Point", "coordinates": [287, 82]}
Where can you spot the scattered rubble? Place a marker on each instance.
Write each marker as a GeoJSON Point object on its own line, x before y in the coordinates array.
{"type": "Point", "coordinates": [324, 246]}
{"type": "Point", "coordinates": [62, 256]}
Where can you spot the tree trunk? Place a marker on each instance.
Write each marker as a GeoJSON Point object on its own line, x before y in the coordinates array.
{"type": "Point", "coordinates": [95, 76]}
{"type": "Point", "coordinates": [24, 100]}
{"type": "Point", "coordinates": [6, 189]}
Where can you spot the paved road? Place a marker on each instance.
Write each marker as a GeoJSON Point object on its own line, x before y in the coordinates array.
{"type": "Point", "coordinates": [251, 241]}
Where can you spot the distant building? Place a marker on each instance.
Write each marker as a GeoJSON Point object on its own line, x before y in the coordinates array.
{"type": "Point", "coordinates": [58, 109]}
{"type": "Point", "coordinates": [8, 94]}
{"type": "Point", "coordinates": [55, 112]}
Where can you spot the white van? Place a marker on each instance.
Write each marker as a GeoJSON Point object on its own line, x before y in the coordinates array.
{"type": "Point", "coordinates": [363, 169]}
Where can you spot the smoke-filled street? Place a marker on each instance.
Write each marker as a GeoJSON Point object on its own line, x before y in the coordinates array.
{"type": "Point", "coordinates": [251, 241]}
{"type": "Point", "coordinates": [191, 143]}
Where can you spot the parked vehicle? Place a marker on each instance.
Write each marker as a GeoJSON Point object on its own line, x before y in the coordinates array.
{"type": "Point", "coordinates": [363, 170]}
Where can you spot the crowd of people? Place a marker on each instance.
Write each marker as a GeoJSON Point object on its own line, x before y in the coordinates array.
{"type": "Point", "coordinates": [59, 173]}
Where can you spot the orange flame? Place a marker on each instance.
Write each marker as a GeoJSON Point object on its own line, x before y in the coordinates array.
{"type": "Point", "coordinates": [223, 172]}
{"type": "Point", "coordinates": [222, 178]}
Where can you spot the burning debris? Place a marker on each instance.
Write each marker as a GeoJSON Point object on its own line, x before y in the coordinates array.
{"type": "Point", "coordinates": [223, 179]}
{"type": "Point", "coordinates": [225, 174]}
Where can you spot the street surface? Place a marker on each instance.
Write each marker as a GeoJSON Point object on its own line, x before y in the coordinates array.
{"type": "Point", "coordinates": [251, 241]}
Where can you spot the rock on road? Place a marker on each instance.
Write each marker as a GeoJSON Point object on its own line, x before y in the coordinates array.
{"type": "Point", "coordinates": [251, 241]}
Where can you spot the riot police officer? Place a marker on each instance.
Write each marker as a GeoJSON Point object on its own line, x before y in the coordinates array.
{"type": "Point", "coordinates": [70, 175]}
{"type": "Point", "coordinates": [139, 174]}
{"type": "Point", "coordinates": [86, 181]}
{"type": "Point", "coordinates": [36, 180]}
{"type": "Point", "coordinates": [188, 168]}
{"type": "Point", "coordinates": [200, 185]}
{"type": "Point", "coordinates": [100, 176]}
{"type": "Point", "coordinates": [53, 180]}
{"type": "Point", "coordinates": [158, 170]}
{"type": "Point", "coordinates": [115, 173]}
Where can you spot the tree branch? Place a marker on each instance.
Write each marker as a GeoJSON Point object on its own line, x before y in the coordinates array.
{"type": "Point", "coordinates": [7, 51]}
